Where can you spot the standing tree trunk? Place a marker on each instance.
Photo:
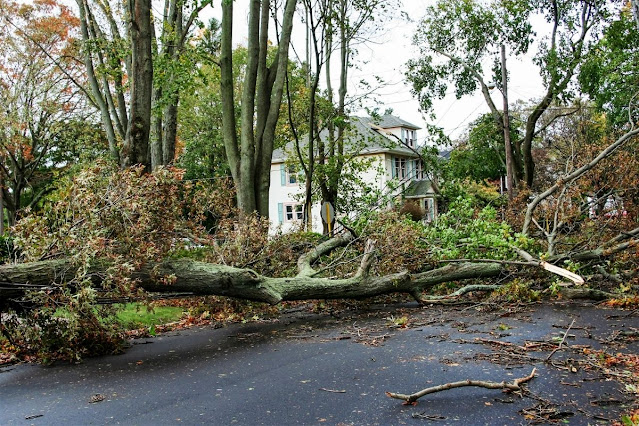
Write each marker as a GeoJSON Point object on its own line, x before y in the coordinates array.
{"type": "Point", "coordinates": [250, 161]}
{"type": "Point", "coordinates": [135, 149]}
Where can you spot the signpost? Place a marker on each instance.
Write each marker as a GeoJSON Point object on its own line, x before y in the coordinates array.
{"type": "Point", "coordinates": [328, 215]}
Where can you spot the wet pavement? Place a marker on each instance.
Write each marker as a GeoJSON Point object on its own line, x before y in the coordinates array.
{"type": "Point", "coordinates": [312, 369]}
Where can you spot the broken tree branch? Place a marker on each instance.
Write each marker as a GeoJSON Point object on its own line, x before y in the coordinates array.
{"type": "Point", "coordinates": [576, 174]}
{"type": "Point", "coordinates": [455, 294]}
{"type": "Point", "coordinates": [563, 339]}
{"type": "Point", "coordinates": [514, 386]}
{"type": "Point", "coordinates": [549, 267]}
{"type": "Point", "coordinates": [305, 261]}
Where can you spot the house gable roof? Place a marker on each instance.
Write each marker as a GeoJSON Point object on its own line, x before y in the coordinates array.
{"type": "Point", "coordinates": [388, 121]}
{"type": "Point", "coordinates": [365, 135]}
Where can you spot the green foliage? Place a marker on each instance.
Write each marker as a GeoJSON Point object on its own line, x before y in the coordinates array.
{"type": "Point", "coordinates": [478, 194]}
{"type": "Point", "coordinates": [8, 251]}
{"type": "Point", "coordinates": [50, 333]}
{"type": "Point", "coordinates": [465, 232]}
{"type": "Point", "coordinates": [470, 31]}
{"type": "Point", "coordinates": [482, 156]}
{"type": "Point", "coordinates": [610, 76]}
{"type": "Point", "coordinates": [202, 154]}
{"type": "Point", "coordinates": [516, 290]}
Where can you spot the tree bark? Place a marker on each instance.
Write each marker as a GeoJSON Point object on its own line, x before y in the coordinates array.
{"type": "Point", "coordinates": [136, 143]}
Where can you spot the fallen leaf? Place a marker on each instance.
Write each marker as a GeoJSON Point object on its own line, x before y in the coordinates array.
{"type": "Point", "coordinates": [96, 398]}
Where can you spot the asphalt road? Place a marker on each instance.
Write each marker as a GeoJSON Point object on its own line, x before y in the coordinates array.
{"type": "Point", "coordinates": [307, 369]}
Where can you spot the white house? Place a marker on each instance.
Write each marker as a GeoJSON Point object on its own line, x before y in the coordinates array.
{"type": "Point", "coordinates": [390, 146]}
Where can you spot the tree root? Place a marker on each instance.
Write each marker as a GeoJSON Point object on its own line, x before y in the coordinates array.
{"type": "Point", "coordinates": [514, 386]}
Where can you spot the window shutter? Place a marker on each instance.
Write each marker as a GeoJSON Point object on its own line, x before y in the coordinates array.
{"type": "Point", "coordinates": [403, 135]}
{"type": "Point", "coordinates": [280, 212]}
{"type": "Point", "coordinates": [393, 171]}
{"type": "Point", "coordinates": [283, 174]}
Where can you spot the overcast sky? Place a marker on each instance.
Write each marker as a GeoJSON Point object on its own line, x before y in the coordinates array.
{"type": "Point", "coordinates": [386, 57]}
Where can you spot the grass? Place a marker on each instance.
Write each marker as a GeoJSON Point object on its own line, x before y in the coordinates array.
{"type": "Point", "coordinates": [135, 315]}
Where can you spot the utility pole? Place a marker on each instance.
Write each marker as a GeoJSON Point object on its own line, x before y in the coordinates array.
{"type": "Point", "coordinates": [509, 151]}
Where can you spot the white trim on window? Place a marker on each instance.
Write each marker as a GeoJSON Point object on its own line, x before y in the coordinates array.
{"type": "Point", "coordinates": [293, 212]}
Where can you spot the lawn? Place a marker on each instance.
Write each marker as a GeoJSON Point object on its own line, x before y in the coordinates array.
{"type": "Point", "coordinates": [136, 315]}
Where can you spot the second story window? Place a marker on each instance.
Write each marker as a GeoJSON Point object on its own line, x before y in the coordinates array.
{"type": "Point", "coordinates": [419, 169]}
{"type": "Point", "coordinates": [289, 175]}
{"type": "Point", "coordinates": [400, 168]}
{"type": "Point", "coordinates": [409, 137]}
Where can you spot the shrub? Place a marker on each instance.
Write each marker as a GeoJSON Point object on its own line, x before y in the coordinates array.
{"type": "Point", "coordinates": [412, 210]}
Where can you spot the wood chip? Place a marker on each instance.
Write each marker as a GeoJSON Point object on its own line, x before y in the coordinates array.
{"type": "Point", "coordinates": [332, 390]}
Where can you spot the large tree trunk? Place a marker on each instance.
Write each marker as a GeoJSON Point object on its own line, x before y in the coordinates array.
{"type": "Point", "coordinates": [250, 162]}
{"type": "Point", "coordinates": [135, 149]}
{"type": "Point", "coordinates": [207, 279]}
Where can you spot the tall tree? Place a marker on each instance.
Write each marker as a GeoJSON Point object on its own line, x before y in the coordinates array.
{"type": "Point", "coordinates": [135, 149]}
{"type": "Point", "coordinates": [122, 55]}
{"type": "Point", "coordinates": [42, 107]}
{"type": "Point", "coordinates": [610, 75]}
{"type": "Point", "coordinates": [174, 66]}
{"type": "Point", "coordinates": [351, 23]}
{"type": "Point", "coordinates": [107, 61]}
{"type": "Point", "coordinates": [249, 157]}
{"type": "Point", "coordinates": [334, 27]}
{"type": "Point", "coordinates": [467, 34]}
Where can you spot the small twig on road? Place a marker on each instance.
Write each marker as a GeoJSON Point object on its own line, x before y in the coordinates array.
{"type": "Point", "coordinates": [514, 386]}
{"type": "Point", "coordinates": [427, 416]}
{"type": "Point", "coordinates": [562, 341]}
{"type": "Point", "coordinates": [332, 390]}
{"type": "Point", "coordinates": [500, 343]}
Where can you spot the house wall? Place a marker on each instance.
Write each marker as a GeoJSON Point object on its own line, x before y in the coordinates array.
{"type": "Point", "coordinates": [282, 193]}
{"type": "Point", "coordinates": [408, 136]}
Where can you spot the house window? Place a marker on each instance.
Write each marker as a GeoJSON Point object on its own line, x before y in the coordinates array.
{"type": "Point", "coordinates": [289, 175]}
{"type": "Point", "coordinates": [408, 137]}
{"type": "Point", "coordinates": [400, 168]}
{"type": "Point", "coordinates": [429, 207]}
{"type": "Point", "coordinates": [293, 212]}
{"type": "Point", "coordinates": [419, 169]}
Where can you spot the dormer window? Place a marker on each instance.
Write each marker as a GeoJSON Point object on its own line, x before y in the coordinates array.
{"type": "Point", "coordinates": [408, 137]}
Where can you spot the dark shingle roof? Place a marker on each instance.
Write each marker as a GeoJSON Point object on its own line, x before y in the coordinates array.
{"type": "Point", "coordinates": [366, 136]}
{"type": "Point", "coordinates": [419, 188]}
{"type": "Point", "coordinates": [388, 121]}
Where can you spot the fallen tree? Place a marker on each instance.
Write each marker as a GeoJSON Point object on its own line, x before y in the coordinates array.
{"type": "Point", "coordinates": [201, 278]}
